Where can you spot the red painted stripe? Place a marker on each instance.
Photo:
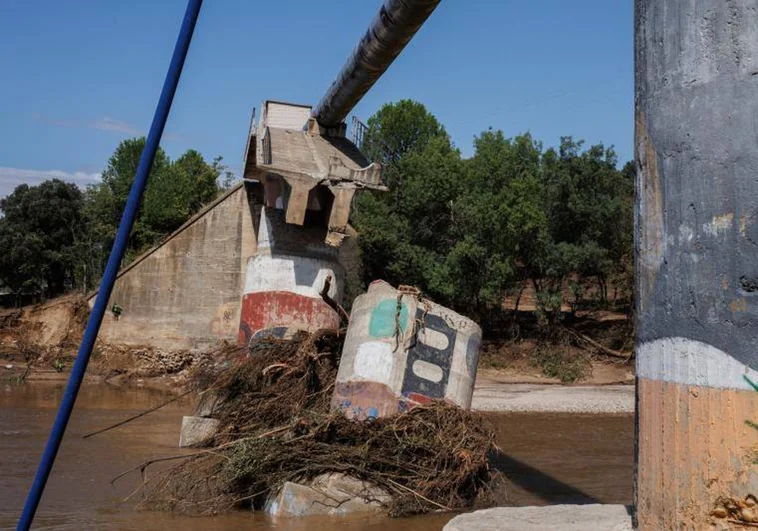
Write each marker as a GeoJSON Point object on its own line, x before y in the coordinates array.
{"type": "Point", "coordinates": [275, 309]}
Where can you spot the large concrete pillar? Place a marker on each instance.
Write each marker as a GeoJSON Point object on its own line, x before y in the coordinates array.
{"type": "Point", "coordinates": [697, 260]}
{"type": "Point", "coordinates": [285, 277]}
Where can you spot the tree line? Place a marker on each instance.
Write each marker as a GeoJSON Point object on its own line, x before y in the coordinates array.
{"type": "Point", "coordinates": [57, 237]}
{"type": "Point", "coordinates": [468, 232]}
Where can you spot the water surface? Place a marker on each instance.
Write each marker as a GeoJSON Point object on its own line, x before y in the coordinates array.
{"type": "Point", "coordinates": [547, 458]}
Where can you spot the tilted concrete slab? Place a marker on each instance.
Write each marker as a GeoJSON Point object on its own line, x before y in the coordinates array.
{"type": "Point", "coordinates": [294, 161]}
{"type": "Point", "coordinates": [594, 517]}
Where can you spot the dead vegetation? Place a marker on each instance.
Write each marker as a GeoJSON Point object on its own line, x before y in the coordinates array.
{"type": "Point", "coordinates": [273, 405]}
{"type": "Point", "coordinates": [569, 351]}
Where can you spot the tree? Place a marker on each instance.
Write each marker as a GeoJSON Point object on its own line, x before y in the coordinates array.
{"type": "Point", "coordinates": [501, 213]}
{"type": "Point", "coordinates": [468, 231]}
{"type": "Point", "coordinates": [39, 234]}
{"type": "Point", "coordinates": [587, 201]}
{"type": "Point", "coordinates": [175, 191]}
{"type": "Point", "coordinates": [404, 235]}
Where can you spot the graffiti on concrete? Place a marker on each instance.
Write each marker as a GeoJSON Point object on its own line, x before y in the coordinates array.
{"type": "Point", "coordinates": [401, 351]}
{"type": "Point", "coordinates": [427, 367]}
{"type": "Point", "coordinates": [748, 421]}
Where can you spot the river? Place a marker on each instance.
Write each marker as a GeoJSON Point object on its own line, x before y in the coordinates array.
{"type": "Point", "coordinates": [547, 459]}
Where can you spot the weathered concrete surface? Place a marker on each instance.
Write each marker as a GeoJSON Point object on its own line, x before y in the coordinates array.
{"type": "Point", "coordinates": [185, 293]}
{"type": "Point", "coordinates": [331, 495]}
{"type": "Point", "coordinates": [490, 395]}
{"type": "Point", "coordinates": [197, 430]}
{"type": "Point", "coordinates": [593, 517]}
{"type": "Point", "coordinates": [400, 351]}
{"type": "Point", "coordinates": [284, 279]}
{"type": "Point", "coordinates": [697, 257]}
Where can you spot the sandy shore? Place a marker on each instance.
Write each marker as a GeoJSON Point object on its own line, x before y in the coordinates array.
{"type": "Point", "coordinates": [491, 395]}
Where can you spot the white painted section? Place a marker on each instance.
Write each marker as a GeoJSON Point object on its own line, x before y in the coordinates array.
{"type": "Point", "coordinates": [374, 361]}
{"type": "Point", "coordinates": [296, 274]}
{"type": "Point", "coordinates": [719, 224]}
{"type": "Point", "coordinates": [427, 371]}
{"type": "Point", "coordinates": [265, 232]}
{"type": "Point", "coordinates": [460, 384]}
{"type": "Point", "coordinates": [685, 361]}
{"type": "Point", "coordinates": [685, 234]}
{"type": "Point", "coordinates": [284, 116]}
{"type": "Point", "coordinates": [433, 338]}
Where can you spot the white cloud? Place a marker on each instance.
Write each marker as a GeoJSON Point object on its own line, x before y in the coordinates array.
{"type": "Point", "coordinates": [12, 177]}
{"type": "Point", "coordinates": [107, 123]}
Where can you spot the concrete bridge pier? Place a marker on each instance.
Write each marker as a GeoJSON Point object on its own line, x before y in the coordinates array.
{"type": "Point", "coordinates": [697, 259]}
{"type": "Point", "coordinates": [285, 277]}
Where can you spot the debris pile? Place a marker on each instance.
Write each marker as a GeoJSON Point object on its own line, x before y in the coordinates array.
{"type": "Point", "coordinates": [275, 426]}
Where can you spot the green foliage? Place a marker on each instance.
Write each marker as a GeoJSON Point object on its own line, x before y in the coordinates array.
{"type": "Point", "coordinates": [56, 237]}
{"type": "Point", "coordinates": [40, 233]}
{"type": "Point", "coordinates": [175, 191]}
{"type": "Point", "coordinates": [467, 231]}
{"type": "Point", "coordinates": [400, 128]}
{"type": "Point", "coordinates": [559, 361]}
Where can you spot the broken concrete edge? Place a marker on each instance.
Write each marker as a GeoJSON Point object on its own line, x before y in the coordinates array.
{"type": "Point", "coordinates": [592, 517]}
{"type": "Point", "coordinates": [327, 495]}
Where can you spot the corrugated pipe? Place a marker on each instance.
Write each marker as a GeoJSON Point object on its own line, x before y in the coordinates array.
{"type": "Point", "coordinates": [114, 262]}
{"type": "Point", "coordinates": [393, 27]}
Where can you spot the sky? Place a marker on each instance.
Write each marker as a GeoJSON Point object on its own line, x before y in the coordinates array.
{"type": "Point", "coordinates": [79, 76]}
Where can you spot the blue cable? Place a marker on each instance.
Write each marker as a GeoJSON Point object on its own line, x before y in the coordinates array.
{"type": "Point", "coordinates": [114, 263]}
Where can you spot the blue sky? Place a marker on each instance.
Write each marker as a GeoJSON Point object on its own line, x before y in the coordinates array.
{"type": "Point", "coordinates": [81, 75]}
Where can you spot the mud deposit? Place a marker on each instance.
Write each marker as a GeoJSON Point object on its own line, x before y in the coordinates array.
{"type": "Point", "coordinates": [549, 459]}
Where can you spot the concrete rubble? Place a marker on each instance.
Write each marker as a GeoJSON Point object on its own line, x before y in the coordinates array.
{"type": "Point", "coordinates": [197, 430]}
{"type": "Point", "coordinates": [329, 495]}
{"type": "Point", "coordinates": [593, 517]}
{"type": "Point", "coordinates": [402, 350]}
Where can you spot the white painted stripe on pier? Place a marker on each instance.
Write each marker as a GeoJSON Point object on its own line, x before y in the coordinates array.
{"type": "Point", "coordinates": [686, 361]}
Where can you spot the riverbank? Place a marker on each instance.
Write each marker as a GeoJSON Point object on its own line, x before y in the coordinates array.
{"type": "Point", "coordinates": [490, 394]}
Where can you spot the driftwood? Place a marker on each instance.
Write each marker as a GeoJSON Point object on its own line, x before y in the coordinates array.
{"type": "Point", "coordinates": [331, 302]}
{"type": "Point", "coordinates": [602, 348]}
{"type": "Point", "coordinates": [138, 415]}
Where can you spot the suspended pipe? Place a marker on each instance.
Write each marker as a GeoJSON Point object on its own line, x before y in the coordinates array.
{"type": "Point", "coordinates": [392, 28]}
{"type": "Point", "coordinates": [114, 262]}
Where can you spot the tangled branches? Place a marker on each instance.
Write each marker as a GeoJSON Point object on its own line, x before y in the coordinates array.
{"type": "Point", "coordinates": [276, 427]}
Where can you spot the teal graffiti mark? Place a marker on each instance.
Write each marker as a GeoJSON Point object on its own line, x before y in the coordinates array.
{"type": "Point", "coordinates": [750, 422]}
{"type": "Point", "coordinates": [383, 316]}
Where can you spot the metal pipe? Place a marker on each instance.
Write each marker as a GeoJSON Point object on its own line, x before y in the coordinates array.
{"type": "Point", "coordinates": [114, 262]}
{"type": "Point", "coordinates": [392, 28]}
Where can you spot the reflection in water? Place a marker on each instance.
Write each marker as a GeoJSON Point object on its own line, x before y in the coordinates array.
{"type": "Point", "coordinates": [549, 459]}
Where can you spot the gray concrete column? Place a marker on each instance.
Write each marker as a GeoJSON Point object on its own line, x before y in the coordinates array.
{"type": "Point", "coordinates": [697, 257]}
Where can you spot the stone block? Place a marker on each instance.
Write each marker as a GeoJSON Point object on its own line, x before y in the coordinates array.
{"type": "Point", "coordinates": [400, 351]}
{"type": "Point", "coordinates": [330, 495]}
{"type": "Point", "coordinates": [197, 430]}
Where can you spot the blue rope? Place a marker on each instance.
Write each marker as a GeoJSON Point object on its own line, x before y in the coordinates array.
{"type": "Point", "coordinates": [114, 263]}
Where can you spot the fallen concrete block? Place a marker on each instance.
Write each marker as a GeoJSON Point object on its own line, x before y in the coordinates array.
{"type": "Point", "coordinates": [197, 430]}
{"type": "Point", "coordinates": [594, 517]}
{"type": "Point", "coordinates": [330, 495]}
{"type": "Point", "coordinates": [402, 350]}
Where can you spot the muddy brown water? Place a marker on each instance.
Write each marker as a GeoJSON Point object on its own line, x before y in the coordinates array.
{"type": "Point", "coordinates": [548, 459]}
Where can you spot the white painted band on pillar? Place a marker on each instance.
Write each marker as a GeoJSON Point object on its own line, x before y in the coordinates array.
{"type": "Point", "coordinates": [686, 361]}
{"type": "Point", "coordinates": [295, 274]}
